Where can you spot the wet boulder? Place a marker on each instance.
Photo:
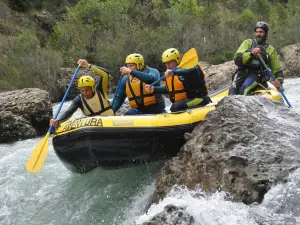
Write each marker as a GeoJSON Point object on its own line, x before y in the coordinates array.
{"type": "Point", "coordinates": [14, 128]}
{"type": "Point", "coordinates": [244, 147]}
{"type": "Point", "coordinates": [30, 105]}
{"type": "Point", "coordinates": [171, 215]}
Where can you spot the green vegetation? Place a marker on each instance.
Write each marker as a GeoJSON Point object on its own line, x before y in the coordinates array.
{"type": "Point", "coordinates": [105, 32]}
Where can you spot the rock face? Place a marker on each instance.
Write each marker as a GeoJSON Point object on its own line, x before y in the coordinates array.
{"type": "Point", "coordinates": [291, 55]}
{"type": "Point", "coordinates": [243, 147]}
{"type": "Point", "coordinates": [64, 80]}
{"type": "Point", "coordinates": [218, 76]}
{"type": "Point", "coordinates": [46, 20]}
{"type": "Point", "coordinates": [28, 108]}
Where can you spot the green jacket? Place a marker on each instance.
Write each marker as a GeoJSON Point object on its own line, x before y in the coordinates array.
{"type": "Point", "coordinates": [245, 56]}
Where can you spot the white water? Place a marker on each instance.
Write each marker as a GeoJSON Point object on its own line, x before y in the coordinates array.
{"type": "Point", "coordinates": [56, 196]}
{"type": "Point", "coordinates": [281, 205]}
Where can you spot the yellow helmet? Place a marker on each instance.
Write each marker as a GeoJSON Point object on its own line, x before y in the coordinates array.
{"type": "Point", "coordinates": [170, 54]}
{"type": "Point", "coordinates": [86, 81]}
{"type": "Point", "coordinates": [137, 59]}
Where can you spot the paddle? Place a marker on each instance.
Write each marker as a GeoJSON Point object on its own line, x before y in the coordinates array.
{"type": "Point", "coordinates": [273, 78]}
{"type": "Point", "coordinates": [38, 156]}
{"type": "Point", "coordinates": [189, 59]}
{"type": "Point", "coordinates": [117, 89]}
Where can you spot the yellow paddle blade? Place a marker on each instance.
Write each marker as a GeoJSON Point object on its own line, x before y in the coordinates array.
{"type": "Point", "coordinates": [189, 59]}
{"type": "Point", "coordinates": [38, 155]}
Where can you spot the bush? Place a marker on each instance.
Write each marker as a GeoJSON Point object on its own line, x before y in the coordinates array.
{"type": "Point", "coordinates": [29, 65]}
{"type": "Point", "coordinates": [106, 31]}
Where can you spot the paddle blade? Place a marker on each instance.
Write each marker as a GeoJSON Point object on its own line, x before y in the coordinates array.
{"type": "Point", "coordinates": [189, 59]}
{"type": "Point", "coordinates": [38, 155]}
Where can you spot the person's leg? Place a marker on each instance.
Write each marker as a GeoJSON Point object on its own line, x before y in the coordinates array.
{"type": "Point", "coordinates": [179, 106]}
{"type": "Point", "coordinates": [237, 81]}
{"type": "Point", "coordinates": [154, 109]}
{"type": "Point", "coordinates": [198, 102]}
{"type": "Point", "coordinates": [249, 84]}
{"type": "Point", "coordinates": [189, 103]}
{"type": "Point", "coordinates": [132, 111]}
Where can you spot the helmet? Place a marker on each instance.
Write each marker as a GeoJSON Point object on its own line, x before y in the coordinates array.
{"type": "Point", "coordinates": [170, 54]}
{"type": "Point", "coordinates": [86, 81]}
{"type": "Point", "coordinates": [137, 59]}
{"type": "Point", "coordinates": [262, 25]}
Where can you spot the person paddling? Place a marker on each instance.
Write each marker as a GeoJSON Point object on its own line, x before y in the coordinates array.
{"type": "Point", "coordinates": [93, 99]}
{"type": "Point", "coordinates": [251, 72]}
{"type": "Point", "coordinates": [186, 87]}
{"type": "Point", "coordinates": [132, 85]}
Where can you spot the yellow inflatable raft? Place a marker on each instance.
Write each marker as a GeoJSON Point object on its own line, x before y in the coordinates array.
{"type": "Point", "coordinates": [115, 141]}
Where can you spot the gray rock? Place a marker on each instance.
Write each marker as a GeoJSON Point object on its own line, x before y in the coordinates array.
{"type": "Point", "coordinates": [172, 215]}
{"type": "Point", "coordinates": [65, 77]}
{"type": "Point", "coordinates": [14, 128]}
{"type": "Point", "coordinates": [218, 76]}
{"type": "Point", "coordinates": [32, 104]}
{"type": "Point", "coordinates": [291, 55]}
{"type": "Point", "coordinates": [46, 20]}
{"type": "Point", "coordinates": [243, 147]}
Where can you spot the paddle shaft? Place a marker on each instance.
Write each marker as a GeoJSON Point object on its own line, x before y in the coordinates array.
{"type": "Point", "coordinates": [273, 78]}
{"type": "Point", "coordinates": [65, 96]}
{"type": "Point", "coordinates": [38, 156]}
{"type": "Point", "coordinates": [117, 90]}
{"type": "Point", "coordinates": [155, 82]}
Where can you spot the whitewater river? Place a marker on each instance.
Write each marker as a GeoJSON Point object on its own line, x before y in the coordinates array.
{"type": "Point", "coordinates": [56, 196]}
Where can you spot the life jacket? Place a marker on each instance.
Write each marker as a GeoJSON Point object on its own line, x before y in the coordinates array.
{"type": "Point", "coordinates": [96, 106]}
{"type": "Point", "coordinates": [137, 95]}
{"type": "Point", "coordinates": [175, 88]}
{"type": "Point", "coordinates": [255, 62]}
{"type": "Point", "coordinates": [191, 85]}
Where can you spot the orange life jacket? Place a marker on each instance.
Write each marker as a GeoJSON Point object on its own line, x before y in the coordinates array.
{"type": "Point", "coordinates": [175, 88]}
{"type": "Point", "coordinates": [137, 94]}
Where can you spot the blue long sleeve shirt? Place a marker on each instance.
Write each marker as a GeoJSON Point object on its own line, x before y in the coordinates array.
{"type": "Point", "coordinates": [148, 76]}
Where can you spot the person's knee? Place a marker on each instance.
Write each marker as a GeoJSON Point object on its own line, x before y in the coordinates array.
{"type": "Point", "coordinates": [242, 90]}
{"type": "Point", "coordinates": [173, 108]}
{"type": "Point", "coordinates": [132, 112]}
{"type": "Point", "coordinates": [177, 106]}
{"type": "Point", "coordinates": [232, 91]}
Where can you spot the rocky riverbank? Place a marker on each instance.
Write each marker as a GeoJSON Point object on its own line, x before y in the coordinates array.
{"type": "Point", "coordinates": [244, 147]}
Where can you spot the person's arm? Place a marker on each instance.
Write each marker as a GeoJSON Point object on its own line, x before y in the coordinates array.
{"type": "Point", "coordinates": [160, 89]}
{"type": "Point", "coordinates": [274, 61]}
{"type": "Point", "coordinates": [103, 85]}
{"type": "Point", "coordinates": [76, 103]}
{"type": "Point", "coordinates": [120, 96]}
{"type": "Point", "coordinates": [188, 72]}
{"type": "Point", "coordinates": [148, 78]}
{"type": "Point", "coordinates": [243, 54]}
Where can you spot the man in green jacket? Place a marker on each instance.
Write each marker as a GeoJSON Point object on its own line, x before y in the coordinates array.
{"type": "Point", "coordinates": [251, 72]}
